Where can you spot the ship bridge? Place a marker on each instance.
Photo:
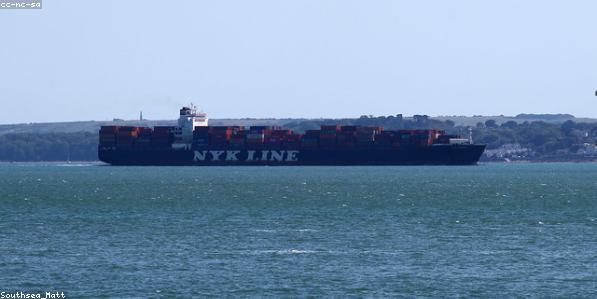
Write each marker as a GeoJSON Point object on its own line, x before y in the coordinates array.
{"type": "Point", "coordinates": [189, 119]}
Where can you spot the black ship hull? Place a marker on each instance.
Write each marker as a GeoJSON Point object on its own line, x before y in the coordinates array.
{"type": "Point", "coordinates": [454, 154]}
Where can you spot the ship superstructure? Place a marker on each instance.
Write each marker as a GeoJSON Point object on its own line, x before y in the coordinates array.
{"type": "Point", "coordinates": [188, 120]}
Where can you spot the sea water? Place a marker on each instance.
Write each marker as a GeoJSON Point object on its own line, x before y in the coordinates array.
{"type": "Point", "coordinates": [492, 230]}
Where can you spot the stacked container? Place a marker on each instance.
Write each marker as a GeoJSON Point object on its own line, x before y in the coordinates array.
{"type": "Point", "coordinates": [255, 140]}
{"type": "Point", "coordinates": [418, 137]}
{"type": "Point", "coordinates": [143, 141]}
{"type": "Point", "coordinates": [365, 136]}
{"type": "Point", "coordinates": [445, 139]}
{"type": "Point", "coordinates": [310, 140]}
{"type": "Point", "coordinates": [276, 138]}
{"type": "Point", "coordinates": [328, 136]}
{"type": "Point", "coordinates": [424, 137]}
{"type": "Point", "coordinates": [237, 140]}
{"type": "Point", "coordinates": [292, 141]}
{"type": "Point", "coordinates": [387, 139]}
{"type": "Point", "coordinates": [270, 137]}
{"type": "Point", "coordinates": [346, 137]}
{"type": "Point", "coordinates": [405, 137]}
{"type": "Point", "coordinates": [162, 137]}
{"type": "Point", "coordinates": [349, 128]}
{"type": "Point", "coordinates": [258, 135]}
{"type": "Point", "coordinates": [126, 137]}
{"type": "Point", "coordinates": [107, 136]}
{"type": "Point", "coordinates": [201, 137]}
{"type": "Point", "coordinates": [220, 136]}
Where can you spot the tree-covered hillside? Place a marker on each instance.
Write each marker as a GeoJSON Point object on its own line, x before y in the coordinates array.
{"type": "Point", "coordinates": [79, 146]}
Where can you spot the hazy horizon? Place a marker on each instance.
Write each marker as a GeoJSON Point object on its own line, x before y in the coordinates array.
{"type": "Point", "coordinates": [99, 60]}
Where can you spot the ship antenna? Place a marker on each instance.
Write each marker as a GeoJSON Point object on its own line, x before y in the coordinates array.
{"type": "Point", "coordinates": [470, 135]}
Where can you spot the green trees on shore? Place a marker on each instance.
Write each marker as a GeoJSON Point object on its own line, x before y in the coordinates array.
{"type": "Point", "coordinates": [541, 137]}
{"type": "Point", "coordinates": [81, 146]}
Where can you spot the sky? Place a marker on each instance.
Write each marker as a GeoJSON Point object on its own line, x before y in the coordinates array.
{"type": "Point", "coordinates": [99, 60]}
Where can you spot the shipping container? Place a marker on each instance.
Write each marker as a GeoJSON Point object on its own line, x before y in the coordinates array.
{"type": "Point", "coordinates": [252, 137]}
{"type": "Point", "coordinates": [128, 129]}
{"type": "Point", "coordinates": [345, 136]}
{"type": "Point", "coordinates": [237, 138]}
{"type": "Point", "coordinates": [309, 141]}
{"type": "Point", "coordinates": [445, 139]}
{"type": "Point", "coordinates": [162, 136]}
{"type": "Point", "coordinates": [145, 132]}
{"type": "Point", "coordinates": [348, 128]}
{"type": "Point", "coordinates": [238, 128]}
{"type": "Point", "coordinates": [109, 129]}
{"type": "Point", "coordinates": [274, 139]}
{"type": "Point", "coordinates": [201, 131]}
{"type": "Point", "coordinates": [365, 137]}
{"type": "Point", "coordinates": [330, 128]}
{"type": "Point", "coordinates": [292, 137]}
{"type": "Point", "coordinates": [236, 143]}
{"type": "Point", "coordinates": [221, 135]}
{"type": "Point", "coordinates": [163, 129]}
{"type": "Point", "coordinates": [221, 130]}
{"type": "Point", "coordinates": [127, 134]}
{"type": "Point", "coordinates": [386, 138]}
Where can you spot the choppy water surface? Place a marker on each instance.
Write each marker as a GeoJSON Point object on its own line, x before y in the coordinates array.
{"type": "Point", "coordinates": [492, 230]}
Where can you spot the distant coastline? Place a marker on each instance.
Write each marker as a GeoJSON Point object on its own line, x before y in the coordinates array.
{"type": "Point", "coordinates": [524, 137]}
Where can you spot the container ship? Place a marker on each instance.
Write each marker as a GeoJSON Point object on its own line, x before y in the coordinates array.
{"type": "Point", "coordinates": [193, 142]}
